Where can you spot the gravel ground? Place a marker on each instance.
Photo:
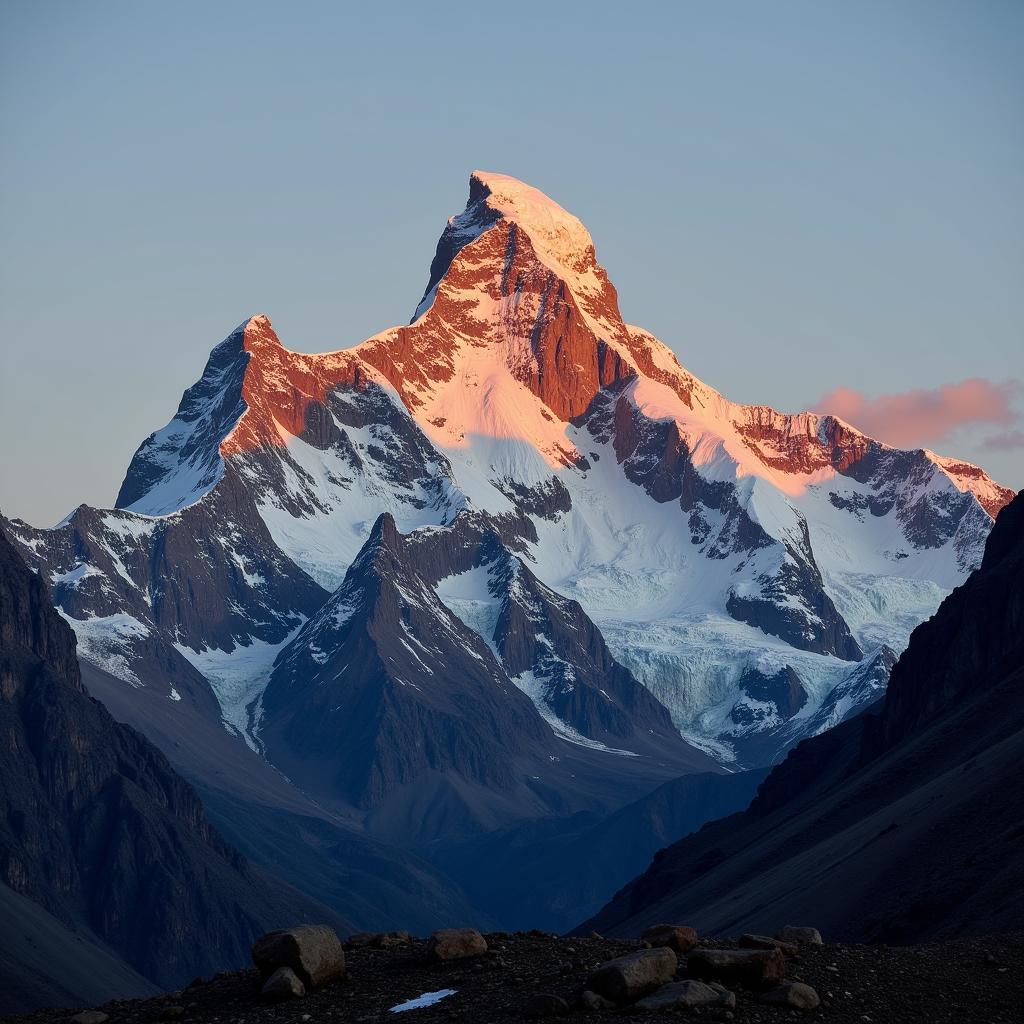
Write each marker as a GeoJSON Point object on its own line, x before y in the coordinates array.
{"type": "Point", "coordinates": [965, 981]}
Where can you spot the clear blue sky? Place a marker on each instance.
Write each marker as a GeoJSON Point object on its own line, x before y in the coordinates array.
{"type": "Point", "coordinates": [795, 196]}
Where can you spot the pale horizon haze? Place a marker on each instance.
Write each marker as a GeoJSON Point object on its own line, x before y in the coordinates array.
{"type": "Point", "coordinates": [814, 204]}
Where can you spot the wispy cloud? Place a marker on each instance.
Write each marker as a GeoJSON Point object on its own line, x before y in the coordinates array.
{"type": "Point", "coordinates": [928, 416]}
{"type": "Point", "coordinates": [1007, 440]}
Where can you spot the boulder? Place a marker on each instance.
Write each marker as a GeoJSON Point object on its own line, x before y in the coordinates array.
{"type": "Point", "coordinates": [752, 968]}
{"type": "Point", "coordinates": [802, 936]}
{"type": "Point", "coordinates": [543, 1004]}
{"type": "Point", "coordinates": [89, 1017]}
{"type": "Point", "coordinates": [312, 951]}
{"type": "Point", "coordinates": [749, 941]}
{"type": "Point", "coordinates": [284, 983]}
{"type": "Point", "coordinates": [592, 1001]}
{"type": "Point", "coordinates": [634, 975]}
{"type": "Point", "coordinates": [679, 937]}
{"type": "Point", "coordinates": [360, 940]}
{"type": "Point", "coordinates": [793, 994]}
{"type": "Point", "coordinates": [689, 994]}
{"type": "Point", "coordinates": [456, 944]}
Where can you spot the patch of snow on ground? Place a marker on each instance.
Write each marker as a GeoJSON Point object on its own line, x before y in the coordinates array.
{"type": "Point", "coordinates": [427, 999]}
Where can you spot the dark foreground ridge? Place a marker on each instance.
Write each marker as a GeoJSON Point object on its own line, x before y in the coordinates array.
{"type": "Point", "coordinates": [902, 825]}
{"type": "Point", "coordinates": [961, 981]}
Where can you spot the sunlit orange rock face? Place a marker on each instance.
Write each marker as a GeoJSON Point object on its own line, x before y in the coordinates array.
{"type": "Point", "coordinates": [992, 503]}
{"type": "Point", "coordinates": [285, 391]}
{"type": "Point", "coordinates": [529, 290]}
{"type": "Point", "coordinates": [802, 443]}
{"type": "Point", "coordinates": [498, 292]}
{"type": "Point", "coordinates": [528, 309]}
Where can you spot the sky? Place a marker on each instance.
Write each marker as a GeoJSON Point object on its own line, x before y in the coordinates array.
{"type": "Point", "coordinates": [815, 204]}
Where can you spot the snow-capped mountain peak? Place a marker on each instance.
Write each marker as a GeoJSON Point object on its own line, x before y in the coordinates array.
{"type": "Point", "coordinates": [708, 540]}
{"type": "Point", "coordinates": [558, 239]}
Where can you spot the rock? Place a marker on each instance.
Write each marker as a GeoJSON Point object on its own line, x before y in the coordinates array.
{"type": "Point", "coordinates": [284, 983]}
{"type": "Point", "coordinates": [455, 944]}
{"type": "Point", "coordinates": [312, 951]}
{"type": "Point", "coordinates": [592, 1001]}
{"type": "Point", "coordinates": [679, 937]}
{"type": "Point", "coordinates": [801, 936]}
{"type": "Point", "coordinates": [89, 1017]}
{"type": "Point", "coordinates": [752, 968]}
{"type": "Point", "coordinates": [173, 1013]}
{"type": "Point", "coordinates": [767, 942]}
{"type": "Point", "coordinates": [794, 994]}
{"type": "Point", "coordinates": [634, 975]}
{"type": "Point", "coordinates": [689, 994]}
{"type": "Point", "coordinates": [360, 940]}
{"type": "Point", "coordinates": [543, 1004]}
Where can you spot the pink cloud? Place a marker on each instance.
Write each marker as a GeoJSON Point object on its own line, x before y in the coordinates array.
{"type": "Point", "coordinates": [926, 416]}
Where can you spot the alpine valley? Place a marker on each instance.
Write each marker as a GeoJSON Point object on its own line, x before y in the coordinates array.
{"type": "Point", "coordinates": [464, 622]}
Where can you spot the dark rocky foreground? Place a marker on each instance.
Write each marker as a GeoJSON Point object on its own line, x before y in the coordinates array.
{"type": "Point", "coordinates": [962, 981]}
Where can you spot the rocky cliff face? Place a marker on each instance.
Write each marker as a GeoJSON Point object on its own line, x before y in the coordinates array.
{"type": "Point", "coordinates": [975, 639]}
{"type": "Point", "coordinates": [96, 828]}
{"type": "Point", "coordinates": [874, 826]}
{"type": "Point", "coordinates": [396, 687]}
{"type": "Point", "coordinates": [385, 684]}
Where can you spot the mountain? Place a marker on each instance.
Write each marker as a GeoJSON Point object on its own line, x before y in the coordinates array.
{"type": "Point", "coordinates": [106, 858]}
{"type": "Point", "coordinates": [707, 541]}
{"type": "Point", "coordinates": [902, 825]}
{"type": "Point", "coordinates": [501, 567]}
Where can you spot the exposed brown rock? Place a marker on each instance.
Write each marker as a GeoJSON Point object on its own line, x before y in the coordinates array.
{"type": "Point", "coordinates": [689, 993]}
{"type": "Point", "coordinates": [283, 984]}
{"type": "Point", "coordinates": [793, 994]}
{"type": "Point", "coordinates": [456, 944]}
{"type": "Point", "coordinates": [679, 937]}
{"type": "Point", "coordinates": [752, 968]}
{"type": "Point", "coordinates": [313, 952]}
{"type": "Point", "coordinates": [634, 975]}
{"type": "Point", "coordinates": [592, 1001]}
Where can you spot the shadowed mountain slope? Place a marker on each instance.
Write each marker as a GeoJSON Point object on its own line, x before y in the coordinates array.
{"type": "Point", "coordinates": [99, 832]}
{"type": "Point", "coordinates": [903, 824]}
